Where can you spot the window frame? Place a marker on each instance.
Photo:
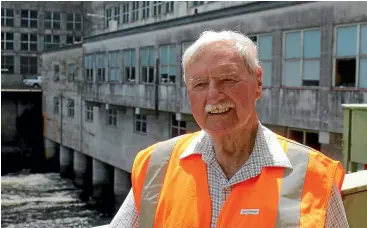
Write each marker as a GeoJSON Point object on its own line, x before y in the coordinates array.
{"type": "Point", "coordinates": [178, 127]}
{"type": "Point", "coordinates": [52, 20]}
{"type": "Point", "coordinates": [101, 58]}
{"type": "Point", "coordinates": [261, 61]}
{"type": "Point", "coordinates": [148, 50]}
{"type": "Point", "coordinates": [112, 67]}
{"type": "Point", "coordinates": [71, 108]}
{"type": "Point", "coordinates": [29, 65]}
{"type": "Point", "coordinates": [74, 22]}
{"type": "Point", "coordinates": [302, 58]}
{"type": "Point", "coordinates": [125, 12]}
{"type": "Point", "coordinates": [111, 114]}
{"type": "Point", "coordinates": [157, 8]}
{"type": "Point", "coordinates": [29, 19]}
{"type": "Point", "coordinates": [357, 57]}
{"type": "Point", "coordinates": [169, 7]}
{"type": "Point", "coordinates": [116, 14]}
{"type": "Point", "coordinates": [159, 77]}
{"type": "Point", "coordinates": [135, 11]}
{"type": "Point", "coordinates": [5, 18]}
{"type": "Point", "coordinates": [183, 49]}
{"type": "Point", "coordinates": [5, 65]}
{"type": "Point", "coordinates": [71, 75]}
{"type": "Point", "coordinates": [89, 113]}
{"type": "Point", "coordinates": [29, 42]}
{"type": "Point", "coordinates": [142, 120]}
{"type": "Point", "coordinates": [89, 69]}
{"type": "Point", "coordinates": [52, 43]}
{"type": "Point", "coordinates": [128, 78]}
{"type": "Point", "coordinates": [5, 42]}
{"type": "Point", "coordinates": [56, 105]}
{"type": "Point", "coordinates": [145, 10]}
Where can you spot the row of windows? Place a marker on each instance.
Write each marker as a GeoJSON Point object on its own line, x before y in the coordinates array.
{"type": "Point", "coordinates": [52, 20]}
{"type": "Point", "coordinates": [134, 11]}
{"type": "Point", "coordinates": [28, 65]}
{"type": "Point", "coordinates": [301, 60]}
{"type": "Point", "coordinates": [29, 41]}
{"type": "Point", "coordinates": [140, 120]}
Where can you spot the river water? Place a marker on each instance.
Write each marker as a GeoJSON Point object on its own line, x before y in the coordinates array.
{"type": "Point", "coordinates": [30, 200]}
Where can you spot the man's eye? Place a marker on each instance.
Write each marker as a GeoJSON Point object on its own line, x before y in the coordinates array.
{"type": "Point", "coordinates": [229, 81]}
{"type": "Point", "coordinates": [199, 85]}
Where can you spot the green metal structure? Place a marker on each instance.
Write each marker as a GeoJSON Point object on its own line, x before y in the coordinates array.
{"type": "Point", "coordinates": [354, 136]}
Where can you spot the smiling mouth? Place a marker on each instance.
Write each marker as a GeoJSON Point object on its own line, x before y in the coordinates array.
{"type": "Point", "coordinates": [220, 111]}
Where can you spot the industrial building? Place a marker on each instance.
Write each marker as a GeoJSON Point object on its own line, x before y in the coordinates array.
{"type": "Point", "coordinates": [28, 28]}
{"type": "Point", "coordinates": [121, 89]}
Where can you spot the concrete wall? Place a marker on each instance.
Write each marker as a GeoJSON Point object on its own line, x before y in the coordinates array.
{"type": "Point", "coordinates": [60, 127]}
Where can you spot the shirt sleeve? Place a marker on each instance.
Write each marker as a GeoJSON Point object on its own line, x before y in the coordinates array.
{"type": "Point", "coordinates": [127, 216]}
{"type": "Point", "coordinates": [335, 214]}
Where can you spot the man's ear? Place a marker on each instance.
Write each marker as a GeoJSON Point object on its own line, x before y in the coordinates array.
{"type": "Point", "coordinates": [259, 79]}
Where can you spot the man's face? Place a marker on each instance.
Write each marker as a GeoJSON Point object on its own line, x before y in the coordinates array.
{"type": "Point", "coordinates": [221, 90]}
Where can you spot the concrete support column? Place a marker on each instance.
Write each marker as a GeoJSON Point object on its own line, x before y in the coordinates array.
{"type": "Point", "coordinates": [82, 170]}
{"type": "Point", "coordinates": [66, 162]}
{"type": "Point", "coordinates": [50, 148]}
{"type": "Point", "coordinates": [121, 186]}
{"type": "Point", "coordinates": [103, 187]}
{"type": "Point", "coordinates": [101, 178]}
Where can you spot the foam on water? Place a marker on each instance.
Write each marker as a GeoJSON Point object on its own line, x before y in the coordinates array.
{"type": "Point", "coordinates": [43, 200]}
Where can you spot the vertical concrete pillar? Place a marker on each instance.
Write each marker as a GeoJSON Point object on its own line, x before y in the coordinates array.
{"type": "Point", "coordinates": [81, 169]}
{"type": "Point", "coordinates": [103, 187]}
{"type": "Point", "coordinates": [121, 186]}
{"type": "Point", "coordinates": [50, 148]}
{"type": "Point", "coordinates": [100, 178]}
{"type": "Point", "coordinates": [66, 162]}
{"type": "Point", "coordinates": [82, 166]}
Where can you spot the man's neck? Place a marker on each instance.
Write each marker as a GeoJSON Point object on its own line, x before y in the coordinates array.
{"type": "Point", "coordinates": [233, 150]}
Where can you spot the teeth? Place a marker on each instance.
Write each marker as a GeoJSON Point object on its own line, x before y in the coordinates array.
{"type": "Point", "coordinates": [218, 108]}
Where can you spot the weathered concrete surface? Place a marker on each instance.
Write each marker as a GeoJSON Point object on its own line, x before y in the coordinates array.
{"type": "Point", "coordinates": [66, 162]}
{"type": "Point", "coordinates": [121, 186]}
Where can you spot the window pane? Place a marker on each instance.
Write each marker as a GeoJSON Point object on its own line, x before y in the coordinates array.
{"type": "Point", "coordinates": [293, 45]}
{"type": "Point", "coordinates": [172, 55]}
{"type": "Point", "coordinates": [363, 73]}
{"type": "Point", "coordinates": [267, 70]}
{"type": "Point", "coordinates": [363, 42]}
{"type": "Point", "coordinates": [127, 61]}
{"type": "Point", "coordinates": [311, 69]}
{"type": "Point", "coordinates": [292, 73]}
{"type": "Point", "coordinates": [346, 41]}
{"type": "Point", "coordinates": [33, 14]}
{"type": "Point", "coordinates": [265, 47]}
{"type": "Point", "coordinates": [143, 56]}
{"type": "Point", "coordinates": [311, 44]}
{"type": "Point", "coordinates": [133, 58]}
{"type": "Point", "coordinates": [164, 55]}
{"type": "Point", "coordinates": [151, 57]}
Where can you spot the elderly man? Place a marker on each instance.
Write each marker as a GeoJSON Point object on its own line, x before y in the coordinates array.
{"type": "Point", "coordinates": [235, 172]}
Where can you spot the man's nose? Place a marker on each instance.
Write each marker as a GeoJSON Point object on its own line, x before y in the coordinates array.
{"type": "Point", "coordinates": [214, 93]}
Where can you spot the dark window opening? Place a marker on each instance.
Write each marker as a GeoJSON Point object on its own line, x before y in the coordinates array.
{"type": "Point", "coordinates": [345, 73]}
{"type": "Point", "coordinates": [296, 136]}
{"type": "Point", "coordinates": [312, 140]}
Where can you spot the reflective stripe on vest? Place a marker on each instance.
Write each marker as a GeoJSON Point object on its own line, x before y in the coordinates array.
{"type": "Point", "coordinates": [153, 181]}
{"type": "Point", "coordinates": [289, 207]}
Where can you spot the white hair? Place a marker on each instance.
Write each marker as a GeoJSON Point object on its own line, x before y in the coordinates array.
{"type": "Point", "coordinates": [244, 47]}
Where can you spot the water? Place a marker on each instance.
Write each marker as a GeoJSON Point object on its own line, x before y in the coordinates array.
{"type": "Point", "coordinates": [44, 201]}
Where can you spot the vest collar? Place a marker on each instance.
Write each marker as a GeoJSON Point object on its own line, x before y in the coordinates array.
{"type": "Point", "coordinates": [267, 150]}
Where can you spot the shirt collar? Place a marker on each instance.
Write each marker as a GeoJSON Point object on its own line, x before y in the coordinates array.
{"type": "Point", "coordinates": [267, 149]}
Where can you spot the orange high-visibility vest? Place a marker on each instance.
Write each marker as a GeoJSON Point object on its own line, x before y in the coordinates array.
{"type": "Point", "coordinates": [173, 192]}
